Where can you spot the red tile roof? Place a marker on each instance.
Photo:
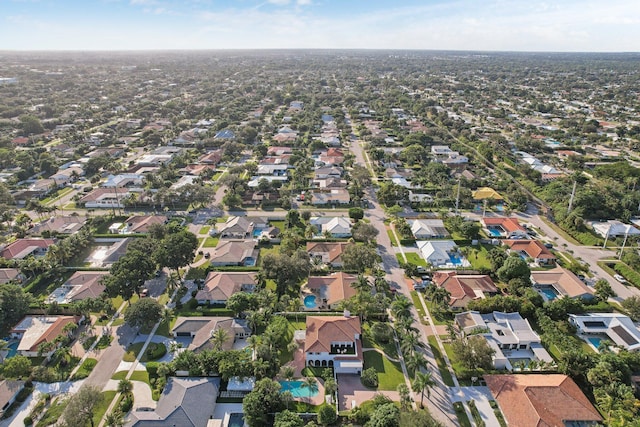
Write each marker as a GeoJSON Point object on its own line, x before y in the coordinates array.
{"type": "Point", "coordinates": [323, 330]}
{"type": "Point", "coordinates": [540, 400]}
{"type": "Point", "coordinates": [533, 248]}
{"type": "Point", "coordinates": [508, 224]}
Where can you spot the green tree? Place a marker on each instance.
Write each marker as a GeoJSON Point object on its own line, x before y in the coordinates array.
{"type": "Point", "coordinates": [359, 258]}
{"type": "Point", "coordinates": [473, 352]}
{"type": "Point", "coordinates": [31, 125]}
{"type": "Point", "coordinates": [470, 230]}
{"type": "Point", "coordinates": [81, 407]}
{"type": "Point", "coordinates": [286, 270]}
{"type": "Point", "coordinates": [263, 401]}
{"type": "Point", "coordinates": [16, 367]}
{"type": "Point", "coordinates": [218, 338]}
{"type": "Point", "coordinates": [143, 313]}
{"type": "Point", "coordinates": [14, 303]}
{"type": "Point", "coordinates": [327, 415]}
{"type": "Point", "coordinates": [288, 418]}
{"type": "Point", "coordinates": [125, 386]}
{"type": "Point", "coordinates": [177, 250]}
{"type": "Point", "coordinates": [603, 290]}
{"type": "Point", "coordinates": [370, 377]}
{"type": "Point", "coordinates": [390, 194]}
{"type": "Point", "coordinates": [405, 396]}
{"type": "Point", "coordinates": [128, 274]}
{"type": "Point", "coordinates": [363, 232]}
{"type": "Point", "coordinates": [514, 267]}
{"type": "Point", "coordinates": [422, 383]}
{"type": "Point", "coordinates": [387, 415]}
{"type": "Point", "coordinates": [632, 306]}
{"type": "Point", "coordinates": [356, 213]}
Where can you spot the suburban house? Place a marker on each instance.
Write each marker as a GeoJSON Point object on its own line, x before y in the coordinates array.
{"type": "Point", "coordinates": [23, 248]}
{"type": "Point", "coordinates": [126, 180]}
{"type": "Point", "coordinates": [329, 253]}
{"type": "Point", "coordinates": [83, 284]}
{"type": "Point", "coordinates": [201, 329]}
{"type": "Point", "coordinates": [441, 253]}
{"type": "Point", "coordinates": [337, 226]}
{"type": "Point", "coordinates": [502, 227]}
{"type": "Point", "coordinates": [59, 225]}
{"type": "Point", "coordinates": [334, 341]}
{"type": "Point", "coordinates": [334, 196]}
{"type": "Point", "coordinates": [464, 288]}
{"type": "Point", "coordinates": [236, 227]}
{"type": "Point", "coordinates": [35, 330]}
{"type": "Point", "coordinates": [532, 249]}
{"type": "Point", "coordinates": [331, 290]}
{"type": "Point", "coordinates": [560, 282]}
{"type": "Point", "coordinates": [542, 400]}
{"type": "Point", "coordinates": [486, 193]}
{"type": "Point", "coordinates": [105, 256]}
{"type": "Point", "coordinates": [141, 223]}
{"type": "Point", "coordinates": [423, 229]}
{"type": "Point", "coordinates": [185, 402]}
{"type": "Point", "coordinates": [219, 286]}
{"type": "Point", "coordinates": [10, 275]}
{"type": "Point", "coordinates": [508, 334]}
{"type": "Point", "coordinates": [615, 327]}
{"type": "Point", "coordinates": [613, 228]}
{"type": "Point", "coordinates": [328, 172]}
{"type": "Point", "coordinates": [235, 252]}
{"type": "Point", "coordinates": [9, 390]}
{"type": "Point", "coordinates": [106, 197]}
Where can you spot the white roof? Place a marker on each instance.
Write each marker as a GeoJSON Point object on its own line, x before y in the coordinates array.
{"type": "Point", "coordinates": [614, 228]}
{"type": "Point", "coordinates": [619, 328]}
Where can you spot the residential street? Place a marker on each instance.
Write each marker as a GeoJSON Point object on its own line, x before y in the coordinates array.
{"type": "Point", "coordinates": [439, 402]}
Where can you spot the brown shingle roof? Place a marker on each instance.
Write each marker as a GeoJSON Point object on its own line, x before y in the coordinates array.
{"type": "Point", "coordinates": [567, 282]}
{"type": "Point", "coordinates": [540, 400]}
{"type": "Point", "coordinates": [464, 288]}
{"type": "Point", "coordinates": [333, 249]}
{"type": "Point", "coordinates": [219, 286]}
{"type": "Point", "coordinates": [23, 247]}
{"type": "Point", "coordinates": [337, 285]}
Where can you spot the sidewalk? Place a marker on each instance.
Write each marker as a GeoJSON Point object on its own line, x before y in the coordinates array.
{"type": "Point", "coordinates": [481, 396]}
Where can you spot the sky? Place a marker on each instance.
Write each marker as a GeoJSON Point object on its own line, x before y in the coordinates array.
{"type": "Point", "coordinates": [495, 25]}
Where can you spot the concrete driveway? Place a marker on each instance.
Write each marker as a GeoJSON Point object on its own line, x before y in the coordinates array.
{"type": "Point", "coordinates": [350, 390]}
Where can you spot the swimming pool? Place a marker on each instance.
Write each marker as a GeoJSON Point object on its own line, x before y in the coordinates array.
{"type": "Point", "coordinates": [595, 341]}
{"type": "Point", "coordinates": [12, 349]}
{"type": "Point", "coordinates": [297, 390]}
{"type": "Point", "coordinates": [236, 420]}
{"type": "Point", "coordinates": [495, 232]}
{"type": "Point", "coordinates": [310, 301]}
{"type": "Point", "coordinates": [455, 259]}
{"type": "Point", "coordinates": [549, 293]}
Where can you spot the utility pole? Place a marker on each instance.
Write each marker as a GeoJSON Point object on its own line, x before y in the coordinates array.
{"type": "Point", "coordinates": [624, 242]}
{"type": "Point", "coordinates": [573, 193]}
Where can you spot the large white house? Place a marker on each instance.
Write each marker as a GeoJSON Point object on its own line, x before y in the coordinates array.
{"type": "Point", "coordinates": [441, 253]}
{"type": "Point", "coordinates": [334, 341]}
{"type": "Point", "coordinates": [616, 327]}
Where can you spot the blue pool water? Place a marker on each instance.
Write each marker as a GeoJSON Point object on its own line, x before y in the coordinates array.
{"type": "Point", "coordinates": [310, 301]}
{"type": "Point", "coordinates": [296, 389]}
{"type": "Point", "coordinates": [236, 420]}
{"type": "Point", "coordinates": [455, 259]}
{"type": "Point", "coordinates": [256, 233]}
{"type": "Point", "coordinates": [500, 208]}
{"type": "Point", "coordinates": [549, 293]}
{"type": "Point", "coordinates": [13, 349]}
{"type": "Point", "coordinates": [495, 232]}
{"type": "Point", "coordinates": [595, 341]}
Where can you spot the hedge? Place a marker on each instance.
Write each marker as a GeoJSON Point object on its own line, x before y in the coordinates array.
{"type": "Point", "coordinates": [628, 273]}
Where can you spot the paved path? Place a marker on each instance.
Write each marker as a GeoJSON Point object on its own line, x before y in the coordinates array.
{"type": "Point", "coordinates": [439, 403]}
{"type": "Point", "coordinates": [481, 396]}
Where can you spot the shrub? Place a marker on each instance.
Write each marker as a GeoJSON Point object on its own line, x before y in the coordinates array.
{"type": "Point", "coordinates": [152, 368]}
{"type": "Point", "coordinates": [327, 415]}
{"type": "Point", "coordinates": [381, 332]}
{"type": "Point", "coordinates": [155, 351]}
{"type": "Point", "coordinates": [126, 404]}
{"type": "Point", "coordinates": [27, 421]}
{"type": "Point", "coordinates": [370, 378]}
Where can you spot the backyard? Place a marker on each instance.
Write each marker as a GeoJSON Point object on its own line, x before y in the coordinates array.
{"type": "Point", "coordinates": [389, 373]}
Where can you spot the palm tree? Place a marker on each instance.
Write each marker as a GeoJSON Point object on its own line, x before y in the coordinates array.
{"type": "Point", "coordinates": [415, 362]}
{"type": "Point", "coordinates": [287, 372]}
{"type": "Point", "coordinates": [254, 342]}
{"type": "Point", "coordinates": [114, 419]}
{"type": "Point", "coordinates": [422, 383]}
{"type": "Point", "coordinates": [218, 338]}
{"type": "Point", "coordinates": [311, 384]}
{"type": "Point", "coordinates": [405, 396]}
{"type": "Point", "coordinates": [125, 387]}
{"type": "Point", "coordinates": [401, 307]}
{"type": "Point", "coordinates": [361, 284]}
{"type": "Point", "coordinates": [330, 387]}
{"type": "Point", "coordinates": [410, 341]}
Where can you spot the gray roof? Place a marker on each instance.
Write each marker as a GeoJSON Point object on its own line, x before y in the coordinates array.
{"type": "Point", "coordinates": [185, 402]}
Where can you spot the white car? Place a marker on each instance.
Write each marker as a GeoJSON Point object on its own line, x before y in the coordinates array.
{"type": "Point", "coordinates": [619, 278]}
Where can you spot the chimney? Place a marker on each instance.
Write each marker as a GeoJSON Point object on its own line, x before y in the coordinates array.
{"type": "Point", "coordinates": [347, 314]}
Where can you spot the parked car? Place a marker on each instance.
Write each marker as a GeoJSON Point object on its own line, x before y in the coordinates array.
{"type": "Point", "coordinates": [619, 278]}
{"type": "Point", "coordinates": [548, 245]}
{"type": "Point", "coordinates": [419, 286]}
{"type": "Point", "coordinates": [420, 269]}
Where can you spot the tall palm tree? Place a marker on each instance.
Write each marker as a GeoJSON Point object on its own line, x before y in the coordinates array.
{"type": "Point", "coordinates": [422, 384]}
{"type": "Point", "coordinates": [415, 362]}
{"type": "Point", "coordinates": [311, 384]}
{"type": "Point", "coordinates": [362, 284]}
{"type": "Point", "coordinates": [114, 419]}
{"type": "Point", "coordinates": [401, 307]}
{"type": "Point", "coordinates": [125, 386]}
{"type": "Point", "coordinates": [218, 338]}
{"type": "Point", "coordinates": [287, 372]}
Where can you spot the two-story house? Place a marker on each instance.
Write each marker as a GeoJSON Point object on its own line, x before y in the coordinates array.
{"type": "Point", "coordinates": [334, 341]}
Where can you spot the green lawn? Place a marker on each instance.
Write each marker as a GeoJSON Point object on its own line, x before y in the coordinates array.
{"type": "Point", "coordinates": [478, 258]}
{"type": "Point", "coordinates": [85, 369]}
{"type": "Point", "coordinates": [438, 317]}
{"type": "Point", "coordinates": [205, 229]}
{"type": "Point", "coordinates": [369, 342]}
{"type": "Point", "coordinates": [457, 367]}
{"type": "Point", "coordinates": [211, 242]}
{"type": "Point", "coordinates": [394, 242]}
{"type": "Point", "coordinates": [101, 408]}
{"type": "Point", "coordinates": [132, 352]}
{"type": "Point", "coordinates": [416, 302]}
{"type": "Point", "coordinates": [53, 414]}
{"type": "Point", "coordinates": [442, 366]}
{"type": "Point", "coordinates": [285, 354]}
{"type": "Point", "coordinates": [415, 259]}
{"type": "Point", "coordinates": [463, 419]}
{"type": "Point", "coordinates": [268, 249]}
{"type": "Point", "coordinates": [389, 373]}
